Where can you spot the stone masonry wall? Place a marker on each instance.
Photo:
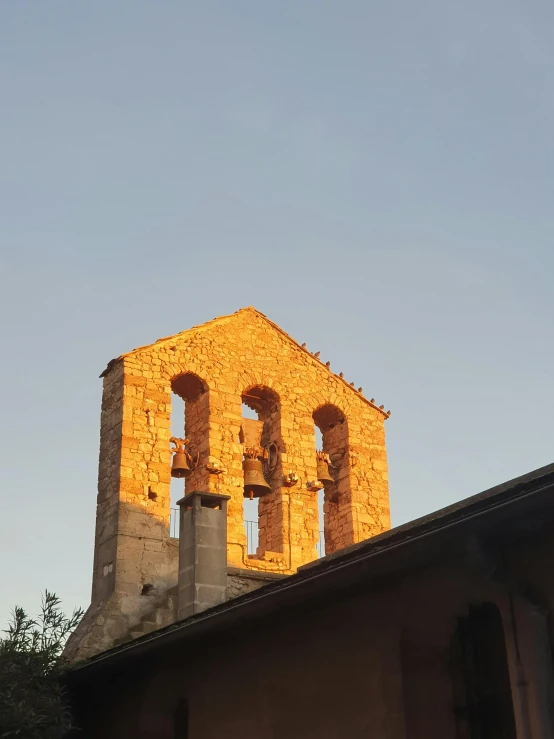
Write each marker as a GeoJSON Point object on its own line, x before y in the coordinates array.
{"type": "Point", "coordinates": [162, 611]}
{"type": "Point", "coordinates": [212, 367]}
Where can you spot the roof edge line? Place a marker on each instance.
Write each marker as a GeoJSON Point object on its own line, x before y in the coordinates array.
{"type": "Point", "coordinates": [316, 573]}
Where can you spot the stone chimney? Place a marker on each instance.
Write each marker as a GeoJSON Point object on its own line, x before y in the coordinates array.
{"type": "Point", "coordinates": [202, 552]}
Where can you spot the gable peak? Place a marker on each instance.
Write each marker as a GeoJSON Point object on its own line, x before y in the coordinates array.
{"type": "Point", "coordinates": [314, 356]}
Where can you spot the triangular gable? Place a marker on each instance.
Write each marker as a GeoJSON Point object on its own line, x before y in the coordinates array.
{"type": "Point", "coordinates": [221, 319]}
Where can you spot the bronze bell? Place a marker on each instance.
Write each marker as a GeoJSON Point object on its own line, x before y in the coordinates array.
{"type": "Point", "coordinates": [323, 474]}
{"type": "Point", "coordinates": [255, 484]}
{"type": "Point", "coordinates": [180, 465]}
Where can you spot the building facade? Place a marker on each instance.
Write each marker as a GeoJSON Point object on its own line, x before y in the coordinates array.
{"type": "Point", "coordinates": [439, 628]}
{"type": "Point", "coordinates": [218, 369]}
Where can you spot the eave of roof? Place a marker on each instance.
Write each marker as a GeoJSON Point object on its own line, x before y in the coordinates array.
{"type": "Point", "coordinates": [261, 315]}
{"type": "Point", "coordinates": [320, 576]}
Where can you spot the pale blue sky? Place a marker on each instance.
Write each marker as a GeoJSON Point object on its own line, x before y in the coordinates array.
{"type": "Point", "coordinates": [376, 177]}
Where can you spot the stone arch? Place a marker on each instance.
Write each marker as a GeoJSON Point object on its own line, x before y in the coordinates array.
{"type": "Point", "coordinates": [328, 415]}
{"type": "Point", "coordinates": [333, 425]}
{"type": "Point", "coordinates": [265, 433]}
{"type": "Point", "coordinates": [194, 391]}
{"type": "Point", "coordinates": [480, 671]}
{"type": "Point", "coordinates": [262, 399]}
{"type": "Point", "coordinates": [332, 421]}
{"type": "Point", "coordinates": [188, 385]}
{"type": "Point", "coordinates": [256, 377]}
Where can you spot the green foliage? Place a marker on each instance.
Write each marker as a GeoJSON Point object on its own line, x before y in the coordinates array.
{"type": "Point", "coordinates": [32, 703]}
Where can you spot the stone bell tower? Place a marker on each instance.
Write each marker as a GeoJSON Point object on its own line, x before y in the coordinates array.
{"type": "Point", "coordinates": [216, 368]}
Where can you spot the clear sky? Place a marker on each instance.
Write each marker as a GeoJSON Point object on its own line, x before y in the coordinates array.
{"type": "Point", "coordinates": [376, 177]}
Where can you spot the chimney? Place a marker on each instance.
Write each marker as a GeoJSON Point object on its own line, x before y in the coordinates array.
{"type": "Point", "coordinates": [202, 552]}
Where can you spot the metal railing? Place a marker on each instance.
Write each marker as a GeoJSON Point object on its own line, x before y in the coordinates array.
{"type": "Point", "coordinates": [251, 534]}
{"type": "Point", "coordinates": [174, 521]}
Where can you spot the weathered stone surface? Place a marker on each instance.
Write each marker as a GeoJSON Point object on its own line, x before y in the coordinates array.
{"type": "Point", "coordinates": [241, 581]}
{"type": "Point", "coordinates": [215, 367]}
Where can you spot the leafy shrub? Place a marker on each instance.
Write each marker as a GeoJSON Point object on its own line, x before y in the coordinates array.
{"type": "Point", "coordinates": [32, 704]}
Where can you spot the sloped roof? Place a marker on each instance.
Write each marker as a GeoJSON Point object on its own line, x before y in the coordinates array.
{"type": "Point", "coordinates": [274, 326]}
{"type": "Point", "coordinates": [519, 507]}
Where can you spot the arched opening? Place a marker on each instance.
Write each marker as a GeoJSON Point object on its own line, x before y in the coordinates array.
{"type": "Point", "coordinates": [320, 544]}
{"type": "Point", "coordinates": [189, 414]}
{"type": "Point", "coordinates": [482, 690]}
{"type": "Point", "coordinates": [331, 435]}
{"type": "Point", "coordinates": [260, 436]}
{"type": "Point", "coordinates": [250, 506]}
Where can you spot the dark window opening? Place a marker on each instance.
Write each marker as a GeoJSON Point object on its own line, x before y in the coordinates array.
{"type": "Point", "coordinates": [482, 691]}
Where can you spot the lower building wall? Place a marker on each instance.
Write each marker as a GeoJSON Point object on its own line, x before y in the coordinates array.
{"type": "Point", "coordinates": [110, 624]}
{"type": "Point", "coordinates": [377, 665]}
